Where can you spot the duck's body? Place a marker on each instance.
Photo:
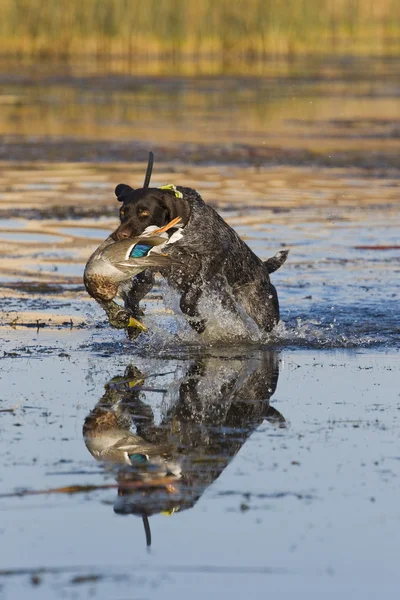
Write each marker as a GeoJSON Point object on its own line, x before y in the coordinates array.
{"type": "Point", "coordinates": [110, 269]}
{"type": "Point", "coordinates": [115, 263]}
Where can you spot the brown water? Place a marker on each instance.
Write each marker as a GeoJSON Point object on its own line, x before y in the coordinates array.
{"type": "Point", "coordinates": [275, 458]}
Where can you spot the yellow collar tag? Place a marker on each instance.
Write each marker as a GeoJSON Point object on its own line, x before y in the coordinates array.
{"type": "Point", "coordinates": [171, 188]}
{"type": "Point", "coordinates": [170, 512]}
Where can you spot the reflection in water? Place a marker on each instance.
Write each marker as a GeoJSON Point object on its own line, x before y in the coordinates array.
{"type": "Point", "coordinates": [165, 467]}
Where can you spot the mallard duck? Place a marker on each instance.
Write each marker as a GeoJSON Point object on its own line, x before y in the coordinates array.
{"type": "Point", "coordinates": [113, 265]}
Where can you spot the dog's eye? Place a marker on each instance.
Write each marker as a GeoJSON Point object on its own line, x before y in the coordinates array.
{"type": "Point", "coordinates": [143, 212]}
{"type": "Point", "coordinates": [122, 213]}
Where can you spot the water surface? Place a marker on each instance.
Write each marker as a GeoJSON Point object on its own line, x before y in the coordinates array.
{"type": "Point", "coordinates": [256, 463]}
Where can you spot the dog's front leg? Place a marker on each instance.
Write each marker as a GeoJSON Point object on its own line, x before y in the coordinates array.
{"type": "Point", "coordinates": [193, 291]}
{"type": "Point", "coordinates": [189, 306]}
{"type": "Point", "coordinates": [140, 286]}
{"type": "Point", "coordinates": [189, 283]}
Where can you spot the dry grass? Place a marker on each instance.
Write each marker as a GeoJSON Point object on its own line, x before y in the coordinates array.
{"type": "Point", "coordinates": [178, 27]}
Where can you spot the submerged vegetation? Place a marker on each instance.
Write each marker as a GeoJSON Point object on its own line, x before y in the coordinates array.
{"type": "Point", "coordinates": [252, 28]}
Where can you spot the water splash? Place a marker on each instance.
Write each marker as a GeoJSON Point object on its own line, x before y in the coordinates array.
{"type": "Point", "coordinates": [317, 327]}
{"type": "Point", "coordinates": [223, 327]}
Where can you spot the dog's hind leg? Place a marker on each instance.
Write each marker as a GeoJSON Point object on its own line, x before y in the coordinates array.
{"type": "Point", "coordinates": [260, 301]}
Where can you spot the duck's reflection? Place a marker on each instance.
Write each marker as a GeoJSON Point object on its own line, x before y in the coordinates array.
{"type": "Point", "coordinates": [213, 408]}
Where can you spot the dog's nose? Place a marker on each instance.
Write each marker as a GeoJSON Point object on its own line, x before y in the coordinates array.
{"type": "Point", "coordinates": [120, 234]}
{"type": "Point", "coordinates": [123, 234]}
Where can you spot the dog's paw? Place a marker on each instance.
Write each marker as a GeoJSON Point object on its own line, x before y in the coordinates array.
{"type": "Point", "coordinates": [199, 325]}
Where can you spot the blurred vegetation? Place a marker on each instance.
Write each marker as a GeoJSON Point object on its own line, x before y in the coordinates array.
{"type": "Point", "coordinates": [154, 28]}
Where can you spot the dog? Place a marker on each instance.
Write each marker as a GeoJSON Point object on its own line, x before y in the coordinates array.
{"type": "Point", "coordinates": [212, 258]}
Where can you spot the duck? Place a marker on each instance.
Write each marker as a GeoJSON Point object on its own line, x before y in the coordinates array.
{"type": "Point", "coordinates": [110, 269]}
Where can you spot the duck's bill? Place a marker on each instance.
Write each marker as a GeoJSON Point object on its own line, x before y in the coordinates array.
{"type": "Point", "coordinates": [167, 226]}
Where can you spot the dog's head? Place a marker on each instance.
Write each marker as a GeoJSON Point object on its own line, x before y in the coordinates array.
{"type": "Point", "coordinates": [147, 206]}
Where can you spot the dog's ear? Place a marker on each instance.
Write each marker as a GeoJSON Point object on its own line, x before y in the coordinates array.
{"type": "Point", "coordinates": [177, 207]}
{"type": "Point", "coordinates": [122, 190]}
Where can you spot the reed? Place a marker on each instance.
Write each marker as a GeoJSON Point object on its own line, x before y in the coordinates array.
{"type": "Point", "coordinates": [179, 28]}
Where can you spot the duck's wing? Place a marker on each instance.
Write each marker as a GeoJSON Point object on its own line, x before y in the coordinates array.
{"type": "Point", "coordinates": [137, 247]}
{"type": "Point", "coordinates": [99, 251]}
{"type": "Point", "coordinates": [133, 266]}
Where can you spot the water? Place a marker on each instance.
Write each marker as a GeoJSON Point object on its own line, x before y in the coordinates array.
{"type": "Point", "coordinates": [339, 287]}
{"type": "Point", "coordinates": [275, 457]}
{"type": "Point", "coordinates": [262, 501]}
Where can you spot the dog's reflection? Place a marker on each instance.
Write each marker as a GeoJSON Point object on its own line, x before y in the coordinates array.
{"type": "Point", "coordinates": [213, 408]}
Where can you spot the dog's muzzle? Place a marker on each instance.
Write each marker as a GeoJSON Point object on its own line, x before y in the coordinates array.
{"type": "Point", "coordinates": [123, 232]}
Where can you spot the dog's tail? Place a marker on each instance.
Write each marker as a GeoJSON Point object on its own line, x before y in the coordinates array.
{"type": "Point", "coordinates": [275, 262]}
